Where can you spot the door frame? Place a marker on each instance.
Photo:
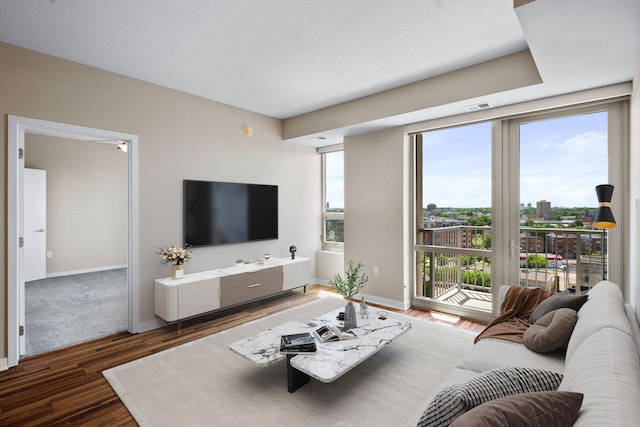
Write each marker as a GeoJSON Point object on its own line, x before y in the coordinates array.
{"type": "Point", "coordinates": [17, 128]}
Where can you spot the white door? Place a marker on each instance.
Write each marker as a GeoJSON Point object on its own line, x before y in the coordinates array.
{"type": "Point", "coordinates": [35, 238]}
{"type": "Point", "coordinates": [35, 222]}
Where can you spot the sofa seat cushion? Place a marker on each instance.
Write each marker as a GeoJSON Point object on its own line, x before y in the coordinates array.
{"type": "Point", "coordinates": [606, 369]}
{"type": "Point", "coordinates": [551, 332]}
{"type": "Point", "coordinates": [560, 300]}
{"type": "Point", "coordinates": [454, 400]}
{"type": "Point", "coordinates": [492, 353]}
{"type": "Point", "coordinates": [545, 408]}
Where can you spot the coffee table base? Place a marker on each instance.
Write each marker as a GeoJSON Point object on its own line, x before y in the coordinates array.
{"type": "Point", "coordinates": [295, 378]}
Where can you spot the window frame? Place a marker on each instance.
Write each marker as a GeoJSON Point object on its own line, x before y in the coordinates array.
{"type": "Point", "coordinates": [505, 171]}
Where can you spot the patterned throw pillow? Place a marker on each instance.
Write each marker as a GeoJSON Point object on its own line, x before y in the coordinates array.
{"type": "Point", "coordinates": [455, 400]}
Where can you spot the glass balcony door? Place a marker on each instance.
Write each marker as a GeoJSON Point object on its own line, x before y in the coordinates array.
{"type": "Point", "coordinates": [453, 200]}
{"type": "Point", "coordinates": [561, 159]}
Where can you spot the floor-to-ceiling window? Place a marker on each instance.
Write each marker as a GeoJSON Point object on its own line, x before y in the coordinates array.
{"type": "Point", "coordinates": [453, 216]}
{"type": "Point", "coordinates": [511, 201]}
{"type": "Point", "coordinates": [561, 161]}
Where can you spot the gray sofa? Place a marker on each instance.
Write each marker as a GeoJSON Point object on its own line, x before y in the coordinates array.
{"type": "Point", "coordinates": [602, 360]}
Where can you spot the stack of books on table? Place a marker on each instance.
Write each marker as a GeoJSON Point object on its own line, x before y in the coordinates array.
{"type": "Point", "coordinates": [297, 343]}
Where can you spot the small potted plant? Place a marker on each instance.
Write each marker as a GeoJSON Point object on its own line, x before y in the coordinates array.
{"type": "Point", "coordinates": [177, 256]}
{"type": "Point", "coordinates": [348, 286]}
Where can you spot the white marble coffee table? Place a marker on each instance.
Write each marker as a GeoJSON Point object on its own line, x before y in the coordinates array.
{"type": "Point", "coordinates": [332, 359]}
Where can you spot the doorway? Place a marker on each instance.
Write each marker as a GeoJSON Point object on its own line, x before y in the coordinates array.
{"type": "Point", "coordinates": [76, 249]}
{"type": "Point", "coordinates": [18, 128]}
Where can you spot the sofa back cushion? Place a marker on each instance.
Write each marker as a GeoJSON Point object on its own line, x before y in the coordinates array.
{"type": "Point", "coordinates": [633, 322]}
{"type": "Point", "coordinates": [603, 309]}
{"type": "Point", "coordinates": [606, 369]}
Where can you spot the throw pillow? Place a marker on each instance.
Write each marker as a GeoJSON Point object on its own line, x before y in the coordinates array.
{"type": "Point", "coordinates": [560, 300]}
{"type": "Point", "coordinates": [455, 400]}
{"type": "Point", "coordinates": [551, 331]}
{"type": "Point", "coordinates": [542, 409]}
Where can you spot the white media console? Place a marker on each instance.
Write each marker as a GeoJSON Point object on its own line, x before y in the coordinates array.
{"type": "Point", "coordinates": [200, 293]}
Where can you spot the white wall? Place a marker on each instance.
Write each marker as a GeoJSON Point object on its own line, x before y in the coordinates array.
{"type": "Point", "coordinates": [328, 264]}
{"type": "Point", "coordinates": [376, 212]}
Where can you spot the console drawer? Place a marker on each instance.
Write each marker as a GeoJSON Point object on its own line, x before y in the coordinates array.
{"type": "Point", "coordinates": [243, 287]}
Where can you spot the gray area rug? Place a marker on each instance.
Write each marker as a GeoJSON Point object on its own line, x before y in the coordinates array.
{"type": "Point", "coordinates": [203, 383]}
{"type": "Point", "coordinates": [64, 311]}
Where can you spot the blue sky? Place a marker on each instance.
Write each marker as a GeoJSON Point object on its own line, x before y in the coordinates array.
{"type": "Point", "coordinates": [335, 179]}
{"type": "Point", "coordinates": [561, 161]}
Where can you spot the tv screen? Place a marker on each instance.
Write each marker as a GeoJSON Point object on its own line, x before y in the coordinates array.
{"type": "Point", "coordinates": [220, 213]}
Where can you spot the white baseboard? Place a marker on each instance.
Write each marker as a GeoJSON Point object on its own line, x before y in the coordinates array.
{"type": "Point", "coordinates": [87, 270]}
{"type": "Point", "coordinates": [4, 364]}
{"type": "Point", "coordinates": [388, 302]}
{"type": "Point", "coordinates": [379, 301]}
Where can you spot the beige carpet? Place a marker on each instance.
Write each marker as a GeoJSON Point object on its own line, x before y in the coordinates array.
{"type": "Point", "coordinates": [203, 383]}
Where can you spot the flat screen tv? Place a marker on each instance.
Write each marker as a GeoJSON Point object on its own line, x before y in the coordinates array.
{"type": "Point", "coordinates": [220, 213]}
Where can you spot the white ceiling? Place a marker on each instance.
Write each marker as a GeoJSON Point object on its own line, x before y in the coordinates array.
{"type": "Point", "coordinates": [283, 58]}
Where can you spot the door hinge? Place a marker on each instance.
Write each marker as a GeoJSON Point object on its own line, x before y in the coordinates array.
{"type": "Point", "coordinates": [21, 330]}
{"type": "Point", "coordinates": [20, 242]}
{"type": "Point", "coordinates": [20, 153]}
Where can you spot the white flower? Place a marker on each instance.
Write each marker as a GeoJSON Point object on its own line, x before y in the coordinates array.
{"type": "Point", "coordinates": [171, 254]}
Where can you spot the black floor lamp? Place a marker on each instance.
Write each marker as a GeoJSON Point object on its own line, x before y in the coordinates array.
{"type": "Point", "coordinates": [604, 218]}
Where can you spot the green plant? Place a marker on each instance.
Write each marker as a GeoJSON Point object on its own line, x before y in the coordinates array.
{"type": "Point", "coordinates": [353, 280]}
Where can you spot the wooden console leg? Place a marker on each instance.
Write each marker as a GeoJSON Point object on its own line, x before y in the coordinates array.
{"type": "Point", "coordinates": [295, 378]}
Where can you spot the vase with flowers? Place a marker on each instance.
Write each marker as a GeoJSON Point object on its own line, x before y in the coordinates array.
{"type": "Point", "coordinates": [177, 256]}
{"type": "Point", "coordinates": [348, 286]}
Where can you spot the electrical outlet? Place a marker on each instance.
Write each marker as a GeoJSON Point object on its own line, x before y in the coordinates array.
{"type": "Point", "coordinates": [49, 254]}
{"type": "Point", "coordinates": [376, 270]}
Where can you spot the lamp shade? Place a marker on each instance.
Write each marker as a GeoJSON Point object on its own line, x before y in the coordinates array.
{"type": "Point", "coordinates": [604, 215]}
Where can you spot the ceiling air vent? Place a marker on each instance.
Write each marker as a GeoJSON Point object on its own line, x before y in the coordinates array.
{"type": "Point", "coordinates": [476, 107]}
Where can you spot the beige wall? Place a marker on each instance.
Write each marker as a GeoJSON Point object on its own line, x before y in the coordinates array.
{"type": "Point", "coordinates": [498, 75]}
{"type": "Point", "coordinates": [376, 212]}
{"type": "Point", "coordinates": [634, 205]}
{"type": "Point", "coordinates": [86, 202]}
{"type": "Point", "coordinates": [180, 136]}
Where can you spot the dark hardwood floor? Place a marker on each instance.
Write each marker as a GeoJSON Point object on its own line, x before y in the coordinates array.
{"type": "Point", "coordinates": [66, 387]}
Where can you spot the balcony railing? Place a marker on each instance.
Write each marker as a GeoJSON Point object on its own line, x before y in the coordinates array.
{"type": "Point", "coordinates": [458, 259]}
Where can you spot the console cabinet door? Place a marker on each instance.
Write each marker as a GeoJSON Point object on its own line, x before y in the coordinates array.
{"type": "Point", "coordinates": [198, 297]}
{"type": "Point", "coordinates": [247, 286]}
{"type": "Point", "coordinates": [296, 274]}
